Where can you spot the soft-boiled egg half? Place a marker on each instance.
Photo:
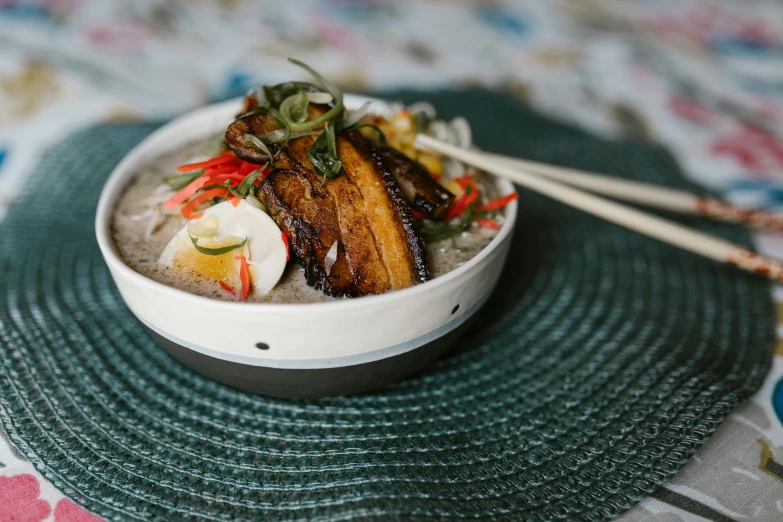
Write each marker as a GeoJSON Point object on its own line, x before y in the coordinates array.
{"type": "Point", "coordinates": [210, 247]}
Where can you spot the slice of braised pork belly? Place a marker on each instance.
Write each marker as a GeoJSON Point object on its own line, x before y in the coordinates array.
{"type": "Point", "coordinates": [420, 189]}
{"type": "Point", "coordinates": [363, 210]}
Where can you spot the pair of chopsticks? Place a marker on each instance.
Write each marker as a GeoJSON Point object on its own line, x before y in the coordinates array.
{"type": "Point", "coordinates": [559, 184]}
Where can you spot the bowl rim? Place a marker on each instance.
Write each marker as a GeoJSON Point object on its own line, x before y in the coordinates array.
{"type": "Point", "coordinates": [125, 170]}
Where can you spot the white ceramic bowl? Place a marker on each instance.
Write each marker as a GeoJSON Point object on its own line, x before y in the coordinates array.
{"type": "Point", "coordinates": [296, 350]}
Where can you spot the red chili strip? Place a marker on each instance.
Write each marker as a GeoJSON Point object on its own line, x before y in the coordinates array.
{"type": "Point", "coordinates": [227, 288]}
{"type": "Point", "coordinates": [195, 185]}
{"type": "Point", "coordinates": [469, 197]}
{"type": "Point", "coordinates": [285, 237]}
{"type": "Point", "coordinates": [488, 223]}
{"type": "Point", "coordinates": [459, 206]}
{"type": "Point", "coordinates": [246, 168]}
{"type": "Point", "coordinates": [220, 178]}
{"type": "Point", "coordinates": [418, 215]}
{"type": "Point", "coordinates": [466, 180]}
{"type": "Point", "coordinates": [186, 192]}
{"type": "Point", "coordinates": [499, 203]}
{"type": "Point", "coordinates": [212, 162]}
{"type": "Point", "coordinates": [456, 209]}
{"type": "Point", "coordinates": [229, 168]}
{"type": "Point", "coordinates": [244, 276]}
{"type": "Point", "coordinates": [188, 210]}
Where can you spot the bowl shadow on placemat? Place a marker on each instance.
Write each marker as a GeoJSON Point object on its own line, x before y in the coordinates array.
{"type": "Point", "coordinates": [519, 271]}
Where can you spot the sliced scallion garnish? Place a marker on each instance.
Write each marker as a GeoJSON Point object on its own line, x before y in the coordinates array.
{"type": "Point", "coordinates": [227, 184]}
{"type": "Point", "coordinates": [281, 135]}
{"type": "Point", "coordinates": [336, 93]}
{"type": "Point", "coordinates": [216, 251]}
{"type": "Point", "coordinates": [210, 187]}
{"type": "Point", "coordinates": [432, 231]}
{"type": "Point", "coordinates": [250, 139]}
{"type": "Point", "coordinates": [323, 153]}
{"type": "Point", "coordinates": [206, 227]}
{"type": "Point", "coordinates": [326, 84]}
{"type": "Point", "coordinates": [379, 136]}
{"type": "Point", "coordinates": [288, 103]}
{"type": "Point", "coordinates": [251, 113]}
{"type": "Point", "coordinates": [358, 114]}
{"type": "Point", "coordinates": [295, 107]}
{"type": "Point", "coordinates": [256, 203]}
{"type": "Point", "coordinates": [273, 95]}
{"type": "Point", "coordinates": [421, 121]}
{"type": "Point", "coordinates": [243, 189]}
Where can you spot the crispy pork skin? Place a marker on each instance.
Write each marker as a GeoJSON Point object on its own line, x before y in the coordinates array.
{"type": "Point", "coordinates": [420, 189]}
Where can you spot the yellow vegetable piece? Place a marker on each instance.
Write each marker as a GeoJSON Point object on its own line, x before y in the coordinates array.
{"type": "Point", "coordinates": [455, 188]}
{"type": "Point", "coordinates": [431, 163]}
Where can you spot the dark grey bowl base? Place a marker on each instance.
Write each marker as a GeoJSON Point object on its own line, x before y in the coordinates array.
{"type": "Point", "coordinates": [311, 383]}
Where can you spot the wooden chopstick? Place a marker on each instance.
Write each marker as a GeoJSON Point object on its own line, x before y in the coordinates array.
{"type": "Point", "coordinates": [650, 195]}
{"type": "Point", "coordinates": [689, 239]}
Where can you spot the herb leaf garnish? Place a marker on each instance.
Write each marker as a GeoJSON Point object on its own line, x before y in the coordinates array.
{"type": "Point", "coordinates": [250, 139]}
{"type": "Point", "coordinates": [421, 121]}
{"type": "Point", "coordinates": [432, 231]}
{"type": "Point", "coordinates": [378, 135]}
{"type": "Point", "coordinates": [179, 181]}
{"type": "Point", "coordinates": [296, 107]}
{"type": "Point", "coordinates": [275, 94]}
{"type": "Point", "coordinates": [247, 184]}
{"type": "Point", "coordinates": [323, 153]}
{"type": "Point", "coordinates": [288, 103]}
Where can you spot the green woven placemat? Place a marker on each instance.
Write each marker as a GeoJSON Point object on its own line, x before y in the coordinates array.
{"type": "Point", "coordinates": [603, 361]}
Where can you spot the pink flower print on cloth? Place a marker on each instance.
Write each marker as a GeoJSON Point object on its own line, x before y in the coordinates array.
{"type": "Point", "coordinates": [19, 499]}
{"type": "Point", "coordinates": [67, 511]}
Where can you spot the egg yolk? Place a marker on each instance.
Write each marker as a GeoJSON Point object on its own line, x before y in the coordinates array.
{"type": "Point", "coordinates": [221, 267]}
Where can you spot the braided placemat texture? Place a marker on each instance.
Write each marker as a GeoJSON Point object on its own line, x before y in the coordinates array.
{"type": "Point", "coordinates": [601, 363]}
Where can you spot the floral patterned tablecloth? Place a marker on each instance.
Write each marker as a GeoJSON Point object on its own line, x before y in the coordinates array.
{"type": "Point", "coordinates": [705, 78]}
